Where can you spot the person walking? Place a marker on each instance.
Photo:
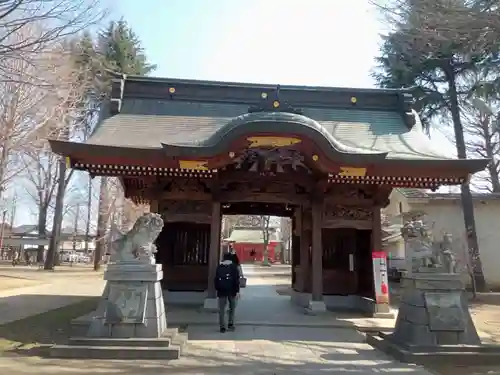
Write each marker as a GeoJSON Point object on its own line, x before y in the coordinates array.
{"type": "Point", "coordinates": [227, 285]}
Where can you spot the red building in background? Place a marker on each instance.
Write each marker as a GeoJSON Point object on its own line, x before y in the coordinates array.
{"type": "Point", "coordinates": [249, 245]}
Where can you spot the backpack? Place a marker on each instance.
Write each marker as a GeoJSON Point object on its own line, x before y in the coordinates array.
{"type": "Point", "coordinates": [224, 278]}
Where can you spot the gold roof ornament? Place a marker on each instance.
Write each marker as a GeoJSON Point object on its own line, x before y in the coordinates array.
{"type": "Point", "coordinates": [269, 141]}
{"type": "Point", "coordinates": [352, 172]}
{"type": "Point", "coordinates": [197, 165]}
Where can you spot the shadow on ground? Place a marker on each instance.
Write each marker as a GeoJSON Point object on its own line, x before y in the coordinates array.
{"type": "Point", "coordinates": [264, 351]}
{"type": "Point", "coordinates": [51, 327]}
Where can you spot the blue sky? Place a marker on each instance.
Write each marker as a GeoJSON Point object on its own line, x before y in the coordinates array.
{"type": "Point", "coordinates": [313, 42]}
{"type": "Point", "coordinates": [302, 42]}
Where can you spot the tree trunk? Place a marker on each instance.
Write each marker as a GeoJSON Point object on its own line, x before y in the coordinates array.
{"type": "Point", "coordinates": [58, 216]}
{"type": "Point", "coordinates": [102, 223]}
{"type": "Point", "coordinates": [89, 215]}
{"type": "Point", "coordinates": [3, 164]}
{"type": "Point", "coordinates": [467, 203]}
{"type": "Point", "coordinates": [42, 231]}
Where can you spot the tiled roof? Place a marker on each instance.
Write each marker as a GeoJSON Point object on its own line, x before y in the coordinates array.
{"type": "Point", "coordinates": [414, 193]}
{"type": "Point", "coordinates": [146, 123]}
{"type": "Point", "coordinates": [455, 196]}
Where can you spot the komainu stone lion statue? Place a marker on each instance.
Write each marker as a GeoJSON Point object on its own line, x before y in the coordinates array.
{"type": "Point", "coordinates": [138, 243]}
{"type": "Point", "coordinates": [419, 245]}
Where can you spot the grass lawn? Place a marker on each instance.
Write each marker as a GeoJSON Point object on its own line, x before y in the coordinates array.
{"type": "Point", "coordinates": [51, 327]}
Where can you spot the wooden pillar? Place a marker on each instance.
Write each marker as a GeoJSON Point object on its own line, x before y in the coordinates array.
{"type": "Point", "coordinates": [317, 251]}
{"type": "Point", "coordinates": [381, 309]}
{"type": "Point", "coordinates": [213, 259]}
{"type": "Point", "coordinates": [303, 250]}
{"type": "Point", "coordinates": [376, 230]}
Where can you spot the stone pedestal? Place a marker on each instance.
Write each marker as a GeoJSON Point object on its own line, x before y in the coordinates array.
{"type": "Point", "coordinates": [130, 321]}
{"type": "Point", "coordinates": [434, 311]}
{"type": "Point", "coordinates": [132, 303]}
{"type": "Point", "coordinates": [434, 323]}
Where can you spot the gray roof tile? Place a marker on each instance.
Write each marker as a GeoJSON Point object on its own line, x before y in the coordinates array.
{"type": "Point", "coordinates": [146, 123]}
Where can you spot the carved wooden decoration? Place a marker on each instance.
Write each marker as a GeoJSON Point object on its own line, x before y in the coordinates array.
{"type": "Point", "coordinates": [271, 161]}
{"type": "Point", "coordinates": [345, 192]}
{"type": "Point", "coordinates": [186, 185]}
{"type": "Point", "coordinates": [178, 211]}
{"type": "Point", "coordinates": [338, 212]}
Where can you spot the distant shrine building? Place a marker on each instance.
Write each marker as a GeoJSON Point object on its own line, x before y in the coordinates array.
{"type": "Point", "coordinates": [326, 157]}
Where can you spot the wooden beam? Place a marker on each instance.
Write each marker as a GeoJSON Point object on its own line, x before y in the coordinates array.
{"type": "Point", "coordinates": [317, 250]}
{"type": "Point", "coordinates": [302, 179]}
{"type": "Point", "coordinates": [304, 244]}
{"type": "Point", "coordinates": [283, 198]}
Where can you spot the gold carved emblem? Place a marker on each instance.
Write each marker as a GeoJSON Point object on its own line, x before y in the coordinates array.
{"type": "Point", "coordinates": [352, 172]}
{"type": "Point", "coordinates": [197, 165]}
{"type": "Point", "coordinates": [272, 141]}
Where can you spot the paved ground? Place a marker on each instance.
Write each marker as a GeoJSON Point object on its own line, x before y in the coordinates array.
{"type": "Point", "coordinates": [250, 350]}
{"type": "Point", "coordinates": [260, 305]}
{"type": "Point", "coordinates": [276, 345]}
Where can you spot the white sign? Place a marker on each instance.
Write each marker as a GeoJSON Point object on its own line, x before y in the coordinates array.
{"type": "Point", "coordinates": [380, 277]}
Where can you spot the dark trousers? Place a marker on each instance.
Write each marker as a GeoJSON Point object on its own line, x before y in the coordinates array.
{"type": "Point", "coordinates": [223, 302]}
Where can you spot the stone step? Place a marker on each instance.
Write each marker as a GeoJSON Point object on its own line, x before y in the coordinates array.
{"type": "Point", "coordinates": [114, 352]}
{"type": "Point", "coordinates": [180, 340]}
{"type": "Point", "coordinates": [171, 336]}
{"type": "Point", "coordinates": [128, 342]}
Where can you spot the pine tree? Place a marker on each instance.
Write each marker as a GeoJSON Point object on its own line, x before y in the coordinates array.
{"type": "Point", "coordinates": [433, 64]}
{"type": "Point", "coordinates": [118, 50]}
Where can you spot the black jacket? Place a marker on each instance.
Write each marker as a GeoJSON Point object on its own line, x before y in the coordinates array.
{"type": "Point", "coordinates": [235, 259]}
{"type": "Point", "coordinates": [234, 288]}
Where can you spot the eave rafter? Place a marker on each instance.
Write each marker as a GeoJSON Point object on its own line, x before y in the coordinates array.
{"type": "Point", "coordinates": [397, 181]}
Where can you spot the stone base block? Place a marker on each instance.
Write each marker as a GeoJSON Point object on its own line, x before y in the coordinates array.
{"type": "Point", "coordinates": [171, 336]}
{"type": "Point", "coordinates": [130, 320]}
{"type": "Point", "coordinates": [460, 355]}
{"type": "Point", "coordinates": [316, 307]}
{"type": "Point", "coordinates": [346, 303]}
{"type": "Point", "coordinates": [169, 346]}
{"type": "Point", "coordinates": [114, 352]}
{"type": "Point", "coordinates": [211, 305]}
{"type": "Point", "coordinates": [434, 312]}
